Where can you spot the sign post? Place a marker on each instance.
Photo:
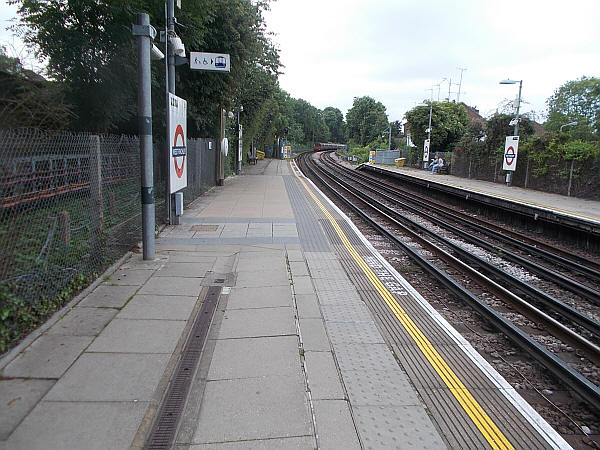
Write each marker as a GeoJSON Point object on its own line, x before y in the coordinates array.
{"type": "Point", "coordinates": [509, 161]}
{"type": "Point", "coordinates": [178, 143]}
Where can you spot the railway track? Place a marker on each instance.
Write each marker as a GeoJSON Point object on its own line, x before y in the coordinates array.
{"type": "Point", "coordinates": [449, 263]}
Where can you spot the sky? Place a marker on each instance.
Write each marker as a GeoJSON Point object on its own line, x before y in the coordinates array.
{"type": "Point", "coordinates": [398, 51]}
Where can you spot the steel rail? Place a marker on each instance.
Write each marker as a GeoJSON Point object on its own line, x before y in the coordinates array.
{"type": "Point", "coordinates": [588, 391]}
{"type": "Point", "coordinates": [571, 261]}
{"type": "Point", "coordinates": [572, 285]}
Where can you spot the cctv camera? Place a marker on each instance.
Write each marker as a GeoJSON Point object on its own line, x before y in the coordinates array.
{"type": "Point", "coordinates": [177, 46]}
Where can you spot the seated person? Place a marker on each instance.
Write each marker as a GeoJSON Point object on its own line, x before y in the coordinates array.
{"type": "Point", "coordinates": [438, 163]}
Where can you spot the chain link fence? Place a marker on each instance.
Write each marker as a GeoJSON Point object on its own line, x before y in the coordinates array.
{"type": "Point", "coordinates": [69, 207]}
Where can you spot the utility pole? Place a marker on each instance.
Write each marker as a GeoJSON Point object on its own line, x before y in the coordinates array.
{"type": "Point", "coordinates": [145, 34]}
{"type": "Point", "coordinates": [172, 218]}
{"type": "Point", "coordinates": [462, 69]}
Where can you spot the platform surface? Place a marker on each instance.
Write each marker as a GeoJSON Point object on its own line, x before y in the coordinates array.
{"type": "Point", "coordinates": [583, 208]}
{"type": "Point", "coordinates": [294, 357]}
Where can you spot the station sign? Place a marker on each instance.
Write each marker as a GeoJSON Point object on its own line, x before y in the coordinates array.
{"type": "Point", "coordinates": [177, 143]}
{"type": "Point", "coordinates": [511, 148]}
{"type": "Point", "coordinates": [426, 150]}
{"type": "Point", "coordinates": [218, 62]}
{"type": "Point", "coordinates": [372, 157]}
{"type": "Point", "coordinates": [287, 152]}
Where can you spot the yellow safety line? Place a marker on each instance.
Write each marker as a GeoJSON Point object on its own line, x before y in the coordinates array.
{"type": "Point", "coordinates": [479, 417]}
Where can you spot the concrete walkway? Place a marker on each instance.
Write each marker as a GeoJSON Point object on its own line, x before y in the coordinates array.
{"type": "Point", "coordinates": [95, 375]}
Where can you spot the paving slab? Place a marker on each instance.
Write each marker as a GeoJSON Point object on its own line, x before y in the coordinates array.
{"type": "Point", "coordinates": [82, 321]}
{"type": "Point", "coordinates": [190, 257]}
{"type": "Point", "coordinates": [298, 268]}
{"type": "Point", "coordinates": [335, 426]}
{"type": "Point", "coordinates": [238, 323]}
{"type": "Point", "coordinates": [172, 286]}
{"type": "Point", "coordinates": [314, 336]}
{"type": "Point", "coordinates": [173, 307]}
{"type": "Point", "coordinates": [109, 296]}
{"type": "Point", "coordinates": [260, 278]}
{"type": "Point", "coordinates": [253, 408]}
{"type": "Point", "coordinates": [354, 333]}
{"type": "Point", "coordinates": [184, 269]}
{"type": "Point", "coordinates": [295, 255]}
{"type": "Point", "coordinates": [72, 425]}
{"type": "Point", "coordinates": [136, 262]}
{"type": "Point", "coordinates": [17, 398]}
{"type": "Point", "coordinates": [404, 427]}
{"type": "Point", "coordinates": [293, 443]}
{"type": "Point", "coordinates": [255, 357]}
{"type": "Point", "coordinates": [113, 377]}
{"type": "Point", "coordinates": [130, 276]}
{"type": "Point", "coordinates": [380, 388]}
{"type": "Point", "coordinates": [308, 306]}
{"type": "Point", "coordinates": [323, 377]}
{"type": "Point", "coordinates": [259, 297]}
{"type": "Point", "coordinates": [139, 336]}
{"type": "Point", "coordinates": [303, 285]}
{"type": "Point", "coordinates": [48, 357]}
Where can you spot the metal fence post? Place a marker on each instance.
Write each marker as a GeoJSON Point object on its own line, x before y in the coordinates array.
{"type": "Point", "coordinates": [97, 209]}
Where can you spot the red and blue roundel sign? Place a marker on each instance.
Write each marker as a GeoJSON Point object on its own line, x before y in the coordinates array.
{"type": "Point", "coordinates": [178, 140]}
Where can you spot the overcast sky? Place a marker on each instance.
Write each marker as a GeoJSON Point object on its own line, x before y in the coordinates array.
{"type": "Point", "coordinates": [396, 50]}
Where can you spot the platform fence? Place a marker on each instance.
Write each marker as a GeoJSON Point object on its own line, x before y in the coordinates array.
{"type": "Point", "coordinates": [70, 206]}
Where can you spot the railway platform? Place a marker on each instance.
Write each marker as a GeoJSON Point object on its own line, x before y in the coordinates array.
{"type": "Point", "coordinates": [542, 205]}
{"type": "Point", "coordinates": [266, 321]}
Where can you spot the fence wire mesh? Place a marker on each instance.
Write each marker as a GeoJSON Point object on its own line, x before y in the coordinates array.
{"type": "Point", "coordinates": [69, 207]}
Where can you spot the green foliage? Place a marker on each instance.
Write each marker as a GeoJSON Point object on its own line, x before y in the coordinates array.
{"type": "Point", "coordinates": [448, 124]}
{"type": "Point", "coordinates": [366, 120]}
{"type": "Point", "coordinates": [90, 49]}
{"type": "Point", "coordinates": [576, 100]}
{"type": "Point", "coordinates": [28, 100]}
{"type": "Point", "coordinates": [19, 317]}
{"type": "Point", "coordinates": [334, 120]}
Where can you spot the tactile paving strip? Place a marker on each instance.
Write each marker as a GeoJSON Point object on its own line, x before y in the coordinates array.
{"type": "Point", "coordinates": [460, 432]}
{"type": "Point", "coordinates": [312, 238]}
{"type": "Point", "coordinates": [403, 427]}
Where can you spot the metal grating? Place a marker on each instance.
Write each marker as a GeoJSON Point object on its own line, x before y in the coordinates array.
{"type": "Point", "coordinates": [312, 238]}
{"type": "Point", "coordinates": [163, 431]}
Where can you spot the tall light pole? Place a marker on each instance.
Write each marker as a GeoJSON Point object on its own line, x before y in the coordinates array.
{"type": "Point", "coordinates": [516, 130]}
{"type": "Point", "coordinates": [570, 124]}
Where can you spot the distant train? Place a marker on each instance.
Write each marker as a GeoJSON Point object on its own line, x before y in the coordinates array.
{"type": "Point", "coordinates": [327, 146]}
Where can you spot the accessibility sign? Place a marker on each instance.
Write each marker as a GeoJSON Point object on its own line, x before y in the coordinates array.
{"type": "Point", "coordinates": [177, 142]}
{"type": "Point", "coordinates": [511, 148]}
{"type": "Point", "coordinates": [209, 61]}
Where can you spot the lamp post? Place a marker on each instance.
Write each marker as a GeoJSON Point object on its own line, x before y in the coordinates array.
{"type": "Point", "coordinates": [570, 124]}
{"type": "Point", "coordinates": [239, 152]}
{"type": "Point", "coordinates": [516, 130]}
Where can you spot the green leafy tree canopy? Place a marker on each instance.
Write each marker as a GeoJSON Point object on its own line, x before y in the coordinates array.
{"type": "Point", "coordinates": [366, 120]}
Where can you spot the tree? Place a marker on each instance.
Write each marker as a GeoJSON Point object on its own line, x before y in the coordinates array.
{"type": "Point", "coordinates": [498, 127]}
{"type": "Point", "coordinates": [448, 124]}
{"type": "Point", "coordinates": [29, 100]}
{"type": "Point", "coordinates": [90, 49]}
{"type": "Point", "coordinates": [334, 119]}
{"type": "Point", "coordinates": [577, 100]}
{"type": "Point", "coordinates": [366, 120]}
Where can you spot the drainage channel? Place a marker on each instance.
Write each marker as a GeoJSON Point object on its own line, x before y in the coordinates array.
{"type": "Point", "coordinates": [163, 431]}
